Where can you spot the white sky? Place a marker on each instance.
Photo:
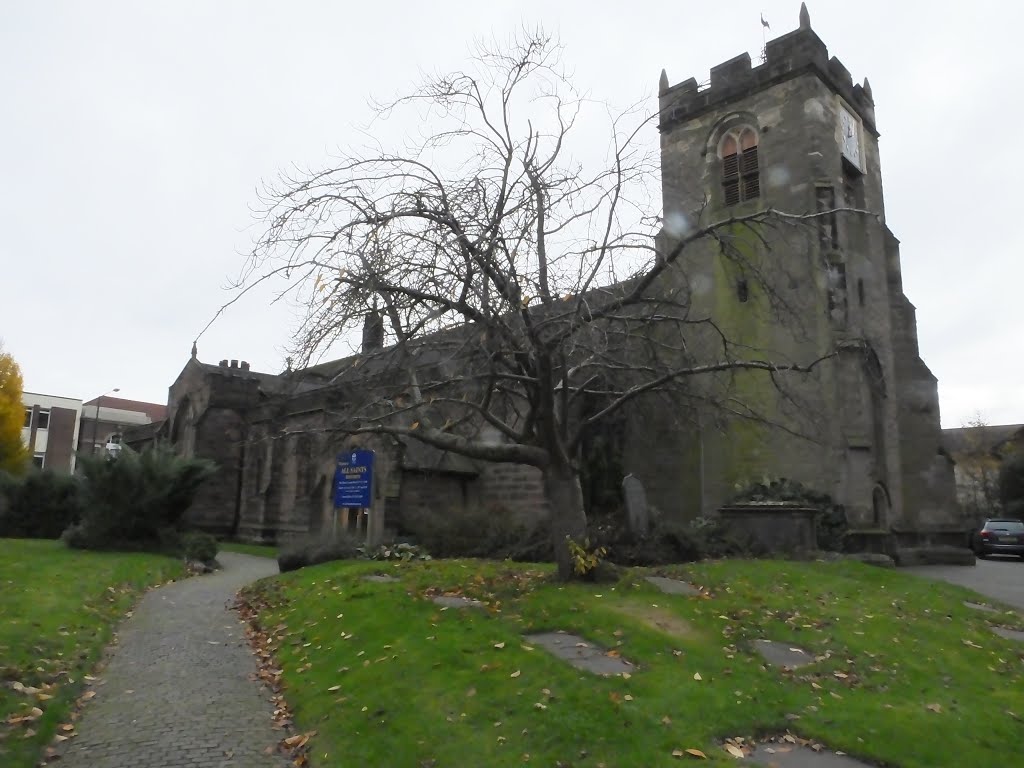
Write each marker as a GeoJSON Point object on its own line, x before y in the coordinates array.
{"type": "Point", "coordinates": [133, 137]}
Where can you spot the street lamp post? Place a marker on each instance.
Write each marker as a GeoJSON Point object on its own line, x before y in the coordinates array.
{"type": "Point", "coordinates": [96, 421]}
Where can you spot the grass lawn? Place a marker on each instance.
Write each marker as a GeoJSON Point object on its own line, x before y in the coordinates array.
{"type": "Point", "coordinates": [57, 610]}
{"type": "Point", "coordinates": [906, 674]}
{"type": "Point", "coordinates": [260, 550]}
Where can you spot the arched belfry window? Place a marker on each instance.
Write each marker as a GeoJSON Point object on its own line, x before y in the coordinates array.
{"type": "Point", "coordinates": [740, 175]}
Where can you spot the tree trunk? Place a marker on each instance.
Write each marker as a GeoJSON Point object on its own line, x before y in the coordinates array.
{"type": "Point", "coordinates": [562, 488]}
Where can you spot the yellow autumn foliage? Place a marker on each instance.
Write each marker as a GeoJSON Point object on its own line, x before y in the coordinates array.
{"type": "Point", "coordinates": [13, 453]}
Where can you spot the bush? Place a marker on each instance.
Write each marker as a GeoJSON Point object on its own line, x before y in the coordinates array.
{"type": "Point", "coordinates": [669, 541]}
{"type": "Point", "coordinates": [402, 552]}
{"type": "Point", "coordinates": [1015, 509]}
{"type": "Point", "coordinates": [586, 558]}
{"type": "Point", "coordinates": [200, 547]}
{"type": "Point", "coordinates": [39, 504]}
{"type": "Point", "coordinates": [491, 532]}
{"type": "Point", "coordinates": [1011, 485]}
{"type": "Point", "coordinates": [136, 500]}
{"type": "Point", "coordinates": [312, 550]}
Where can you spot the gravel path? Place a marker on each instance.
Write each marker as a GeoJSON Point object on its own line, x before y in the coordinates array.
{"type": "Point", "coordinates": [178, 688]}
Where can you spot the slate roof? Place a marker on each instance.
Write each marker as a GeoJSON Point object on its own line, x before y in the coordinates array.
{"type": "Point", "coordinates": [990, 439]}
{"type": "Point", "coordinates": [155, 411]}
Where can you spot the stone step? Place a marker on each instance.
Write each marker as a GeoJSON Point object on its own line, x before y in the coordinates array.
{"type": "Point", "coordinates": [934, 556]}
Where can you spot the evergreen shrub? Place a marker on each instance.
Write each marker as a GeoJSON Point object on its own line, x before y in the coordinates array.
{"type": "Point", "coordinates": [39, 504]}
{"type": "Point", "coordinates": [137, 500]}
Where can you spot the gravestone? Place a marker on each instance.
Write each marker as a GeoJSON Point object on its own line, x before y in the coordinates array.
{"type": "Point", "coordinates": [455, 601]}
{"type": "Point", "coordinates": [783, 755]}
{"type": "Point", "coordinates": [783, 654]}
{"type": "Point", "coordinates": [380, 578]}
{"type": "Point", "coordinates": [1009, 634]}
{"type": "Point", "coordinates": [636, 505]}
{"type": "Point", "coordinates": [981, 607]}
{"type": "Point", "coordinates": [674, 586]}
{"type": "Point", "coordinates": [582, 653]}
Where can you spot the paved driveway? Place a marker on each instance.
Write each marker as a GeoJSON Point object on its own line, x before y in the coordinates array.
{"type": "Point", "coordinates": [1001, 578]}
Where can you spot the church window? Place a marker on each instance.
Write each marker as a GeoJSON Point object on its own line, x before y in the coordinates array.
{"type": "Point", "coordinates": [837, 293]}
{"type": "Point", "coordinates": [741, 178]}
{"type": "Point", "coordinates": [828, 234]}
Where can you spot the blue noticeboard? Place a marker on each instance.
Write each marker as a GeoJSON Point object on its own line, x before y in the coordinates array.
{"type": "Point", "coordinates": [353, 479]}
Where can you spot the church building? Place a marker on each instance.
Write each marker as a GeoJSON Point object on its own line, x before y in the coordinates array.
{"type": "Point", "coordinates": [792, 133]}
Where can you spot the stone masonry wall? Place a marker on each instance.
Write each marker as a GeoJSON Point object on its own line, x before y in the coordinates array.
{"type": "Point", "coordinates": [517, 489]}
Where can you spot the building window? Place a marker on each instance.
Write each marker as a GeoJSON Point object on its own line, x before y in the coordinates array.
{"type": "Point", "coordinates": [853, 187]}
{"type": "Point", "coordinates": [43, 421]}
{"type": "Point", "coordinates": [742, 290]}
{"type": "Point", "coordinates": [28, 417]}
{"type": "Point", "coordinates": [740, 175]}
{"type": "Point", "coordinates": [837, 294]}
{"type": "Point", "coordinates": [39, 460]}
{"type": "Point", "coordinates": [828, 233]}
{"type": "Point", "coordinates": [860, 291]}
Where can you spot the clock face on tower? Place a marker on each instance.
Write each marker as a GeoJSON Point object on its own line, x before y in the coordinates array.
{"type": "Point", "coordinates": [849, 133]}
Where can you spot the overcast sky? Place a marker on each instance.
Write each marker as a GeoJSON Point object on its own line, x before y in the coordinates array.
{"type": "Point", "coordinates": [133, 137]}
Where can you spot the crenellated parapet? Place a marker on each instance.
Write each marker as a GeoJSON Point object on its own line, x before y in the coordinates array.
{"type": "Point", "coordinates": [791, 55]}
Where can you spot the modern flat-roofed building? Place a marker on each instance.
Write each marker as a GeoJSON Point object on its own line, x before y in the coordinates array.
{"type": "Point", "coordinates": [104, 420]}
{"type": "Point", "coordinates": [51, 429]}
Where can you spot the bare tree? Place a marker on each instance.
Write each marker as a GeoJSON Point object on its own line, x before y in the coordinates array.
{"type": "Point", "coordinates": [524, 295]}
{"type": "Point", "coordinates": [978, 460]}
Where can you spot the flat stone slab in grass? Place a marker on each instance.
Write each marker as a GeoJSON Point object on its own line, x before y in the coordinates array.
{"type": "Point", "coordinates": [795, 756]}
{"type": "Point", "coordinates": [454, 601]}
{"type": "Point", "coordinates": [380, 578]}
{"type": "Point", "coordinates": [1009, 634]}
{"type": "Point", "coordinates": [673, 586]}
{"type": "Point", "coordinates": [783, 654]}
{"type": "Point", "coordinates": [581, 653]}
{"type": "Point", "coordinates": [980, 607]}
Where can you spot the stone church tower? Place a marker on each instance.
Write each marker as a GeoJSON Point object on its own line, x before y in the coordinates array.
{"type": "Point", "coordinates": [795, 134]}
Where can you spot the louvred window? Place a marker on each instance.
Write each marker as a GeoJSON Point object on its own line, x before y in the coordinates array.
{"type": "Point", "coordinates": [741, 178]}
